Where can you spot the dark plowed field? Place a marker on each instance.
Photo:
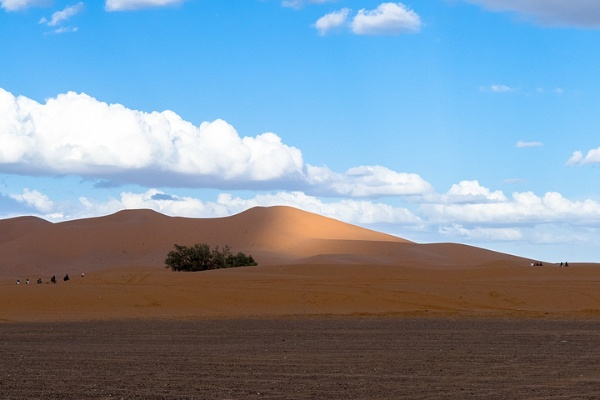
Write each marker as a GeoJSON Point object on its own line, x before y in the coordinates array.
{"type": "Point", "coordinates": [300, 359]}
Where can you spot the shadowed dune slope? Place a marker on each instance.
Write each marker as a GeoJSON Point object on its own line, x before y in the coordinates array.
{"type": "Point", "coordinates": [272, 235]}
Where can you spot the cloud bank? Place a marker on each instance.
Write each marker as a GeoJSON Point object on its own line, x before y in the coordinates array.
{"type": "Point", "coordinates": [468, 211]}
{"type": "Point", "coordinates": [75, 134]}
{"type": "Point", "coordinates": [580, 13]}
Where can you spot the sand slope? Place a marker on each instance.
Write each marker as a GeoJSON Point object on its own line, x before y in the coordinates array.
{"type": "Point", "coordinates": [308, 265]}
{"type": "Point", "coordinates": [274, 235]}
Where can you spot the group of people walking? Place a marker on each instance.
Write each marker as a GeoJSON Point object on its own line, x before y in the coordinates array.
{"type": "Point", "coordinates": [39, 280]}
{"type": "Point", "coordinates": [540, 264]}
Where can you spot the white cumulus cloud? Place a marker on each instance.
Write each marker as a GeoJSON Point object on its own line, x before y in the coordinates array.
{"type": "Point", "coordinates": [366, 181]}
{"type": "Point", "coordinates": [592, 157]}
{"type": "Point", "coordinates": [35, 199]}
{"type": "Point", "coordinates": [581, 13]}
{"type": "Point", "coordinates": [77, 134]}
{"type": "Point", "coordinates": [123, 5]}
{"type": "Point", "coordinates": [472, 192]}
{"type": "Point", "coordinates": [522, 208]}
{"type": "Point", "coordinates": [386, 19]}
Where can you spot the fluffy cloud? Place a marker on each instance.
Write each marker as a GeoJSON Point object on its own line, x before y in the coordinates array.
{"type": "Point", "coordinates": [471, 192]}
{"type": "Point", "coordinates": [523, 208]}
{"type": "Point", "coordinates": [63, 15]}
{"type": "Point", "coordinates": [75, 134]}
{"type": "Point", "coordinates": [366, 181]}
{"type": "Point", "coordinates": [35, 199]}
{"type": "Point", "coordinates": [582, 13]}
{"type": "Point", "coordinates": [332, 21]}
{"type": "Point", "coordinates": [17, 5]}
{"type": "Point", "coordinates": [122, 5]}
{"type": "Point", "coordinates": [386, 19]}
{"type": "Point", "coordinates": [592, 157]}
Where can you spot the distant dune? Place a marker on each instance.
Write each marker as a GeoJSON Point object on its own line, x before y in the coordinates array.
{"type": "Point", "coordinates": [273, 235]}
{"type": "Point", "coordinates": [308, 265]}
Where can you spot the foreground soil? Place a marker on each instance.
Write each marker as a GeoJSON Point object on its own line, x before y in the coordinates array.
{"type": "Point", "coordinates": [301, 358]}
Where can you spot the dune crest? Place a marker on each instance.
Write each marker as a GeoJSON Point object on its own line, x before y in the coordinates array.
{"type": "Point", "coordinates": [272, 235]}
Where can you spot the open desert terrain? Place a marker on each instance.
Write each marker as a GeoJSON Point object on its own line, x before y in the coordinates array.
{"type": "Point", "coordinates": [331, 311]}
{"type": "Point", "coordinates": [308, 266]}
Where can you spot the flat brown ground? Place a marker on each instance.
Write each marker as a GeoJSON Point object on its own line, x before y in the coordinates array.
{"type": "Point", "coordinates": [324, 358]}
{"type": "Point", "coordinates": [309, 290]}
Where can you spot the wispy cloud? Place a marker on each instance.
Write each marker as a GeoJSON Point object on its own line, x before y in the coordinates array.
{"type": "Point", "coordinates": [580, 13]}
{"type": "Point", "coordinates": [298, 4]}
{"type": "Point", "coordinates": [523, 144]}
{"type": "Point", "coordinates": [62, 16]}
{"type": "Point", "coordinates": [125, 5]}
{"type": "Point", "coordinates": [497, 88]}
{"type": "Point", "coordinates": [332, 21]}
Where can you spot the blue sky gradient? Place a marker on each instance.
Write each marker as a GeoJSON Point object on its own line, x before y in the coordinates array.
{"type": "Point", "coordinates": [470, 121]}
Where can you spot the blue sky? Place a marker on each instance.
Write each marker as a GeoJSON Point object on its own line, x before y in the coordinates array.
{"type": "Point", "coordinates": [469, 121]}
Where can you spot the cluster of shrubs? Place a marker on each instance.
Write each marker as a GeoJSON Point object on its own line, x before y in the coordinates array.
{"type": "Point", "coordinates": [200, 257]}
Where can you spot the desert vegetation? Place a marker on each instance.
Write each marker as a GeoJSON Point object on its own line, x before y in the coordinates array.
{"type": "Point", "coordinates": [201, 257]}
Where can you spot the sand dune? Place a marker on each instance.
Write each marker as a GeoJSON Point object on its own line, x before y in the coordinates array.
{"type": "Point", "coordinates": [308, 265]}
{"type": "Point", "coordinates": [274, 235]}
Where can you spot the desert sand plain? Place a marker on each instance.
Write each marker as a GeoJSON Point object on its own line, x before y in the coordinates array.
{"type": "Point", "coordinates": [331, 311]}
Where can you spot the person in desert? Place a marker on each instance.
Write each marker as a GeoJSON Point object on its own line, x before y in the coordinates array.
{"type": "Point", "coordinates": [66, 278]}
{"type": "Point", "coordinates": [53, 279]}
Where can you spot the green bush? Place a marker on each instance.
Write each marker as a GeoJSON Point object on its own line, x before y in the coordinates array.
{"type": "Point", "coordinates": [200, 257]}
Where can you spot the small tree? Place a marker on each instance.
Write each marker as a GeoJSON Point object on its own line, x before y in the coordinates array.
{"type": "Point", "coordinates": [201, 257]}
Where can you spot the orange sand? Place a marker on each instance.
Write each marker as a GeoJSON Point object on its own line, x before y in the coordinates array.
{"type": "Point", "coordinates": [309, 265]}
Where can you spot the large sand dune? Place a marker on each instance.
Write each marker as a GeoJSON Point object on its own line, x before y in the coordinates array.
{"type": "Point", "coordinates": [308, 265]}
